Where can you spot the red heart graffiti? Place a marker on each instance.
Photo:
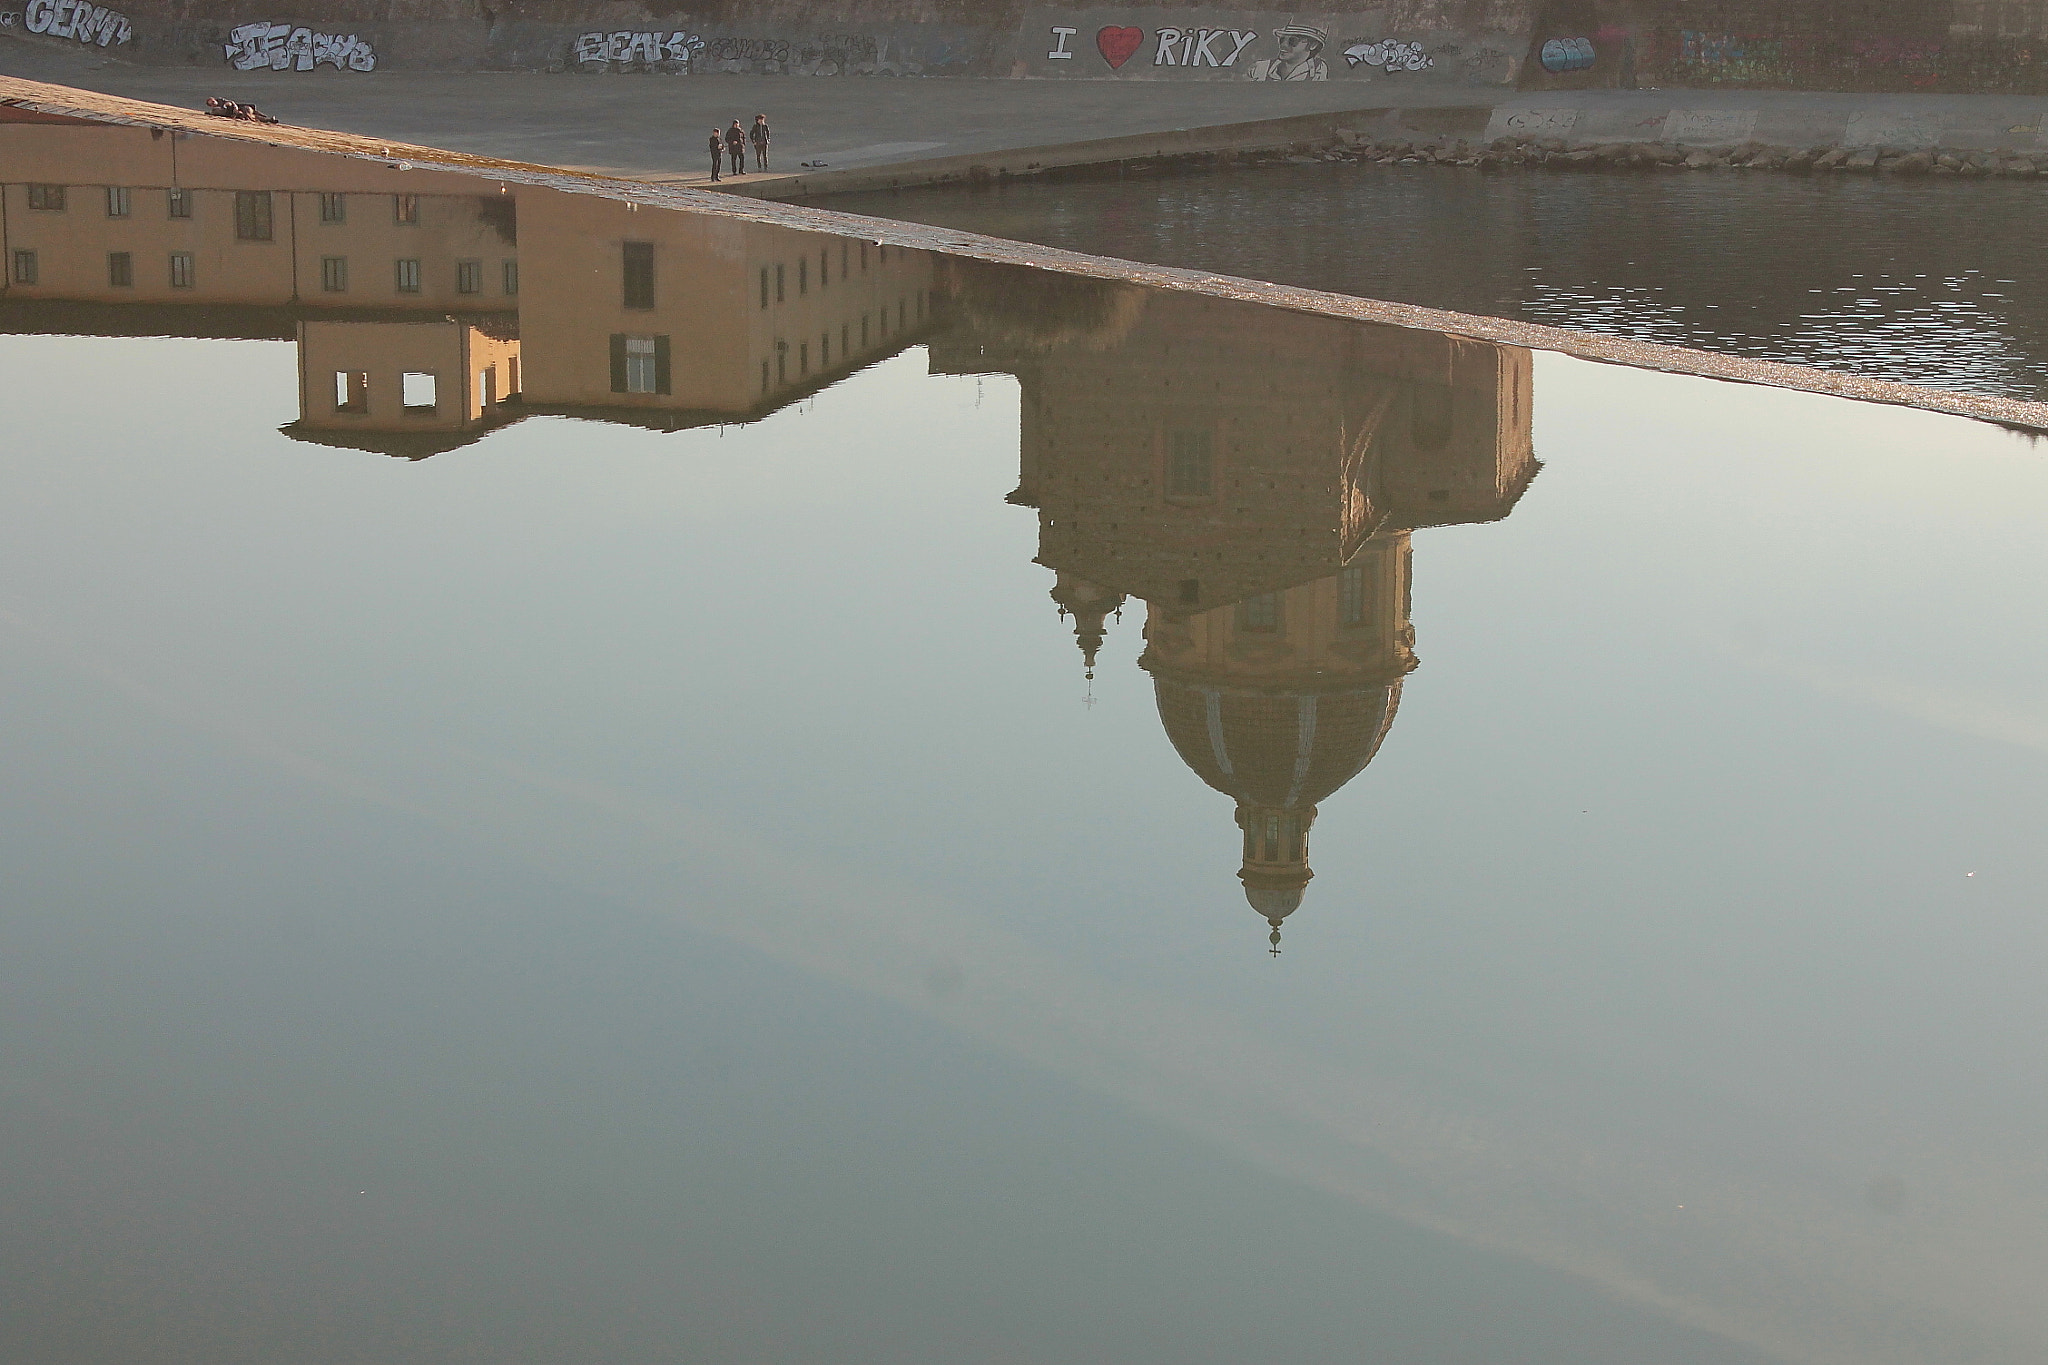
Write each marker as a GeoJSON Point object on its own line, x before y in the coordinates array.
{"type": "Point", "coordinates": [1117, 44]}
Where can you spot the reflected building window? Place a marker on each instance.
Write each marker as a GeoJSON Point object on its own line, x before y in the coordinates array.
{"type": "Point", "coordinates": [253, 216]}
{"type": "Point", "coordinates": [417, 392]}
{"type": "Point", "coordinates": [117, 201]}
{"type": "Point", "coordinates": [120, 269]}
{"type": "Point", "coordinates": [334, 208]}
{"type": "Point", "coordinates": [334, 274]}
{"type": "Point", "coordinates": [803, 276]}
{"type": "Point", "coordinates": [1260, 615]}
{"type": "Point", "coordinates": [405, 208]}
{"type": "Point", "coordinates": [511, 277]}
{"type": "Point", "coordinates": [27, 270]}
{"type": "Point", "coordinates": [177, 203]}
{"type": "Point", "coordinates": [637, 280]}
{"type": "Point", "coordinates": [47, 198]}
{"type": "Point", "coordinates": [182, 275]}
{"type": "Point", "coordinates": [779, 282]}
{"type": "Point", "coordinates": [1190, 464]}
{"type": "Point", "coordinates": [406, 275]}
{"type": "Point", "coordinates": [640, 364]}
{"type": "Point", "coordinates": [764, 286]}
{"type": "Point", "coordinates": [1351, 596]}
{"type": "Point", "coordinates": [469, 277]}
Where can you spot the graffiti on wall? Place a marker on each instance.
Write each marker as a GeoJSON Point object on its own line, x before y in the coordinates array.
{"type": "Point", "coordinates": [827, 54]}
{"type": "Point", "coordinates": [1390, 55]}
{"type": "Point", "coordinates": [1560, 55]}
{"type": "Point", "coordinates": [292, 47]}
{"type": "Point", "coordinates": [626, 51]}
{"type": "Point", "coordinates": [85, 23]}
{"type": "Point", "coordinates": [1289, 52]}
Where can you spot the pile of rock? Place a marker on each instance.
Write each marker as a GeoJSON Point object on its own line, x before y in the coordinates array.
{"type": "Point", "coordinates": [1664, 156]}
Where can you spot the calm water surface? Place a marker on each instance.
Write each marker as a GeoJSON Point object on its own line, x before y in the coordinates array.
{"type": "Point", "coordinates": [735, 803]}
{"type": "Point", "coordinates": [1926, 283]}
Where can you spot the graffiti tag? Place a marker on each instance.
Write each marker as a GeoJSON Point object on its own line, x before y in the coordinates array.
{"type": "Point", "coordinates": [607, 50]}
{"type": "Point", "coordinates": [1560, 55]}
{"type": "Point", "coordinates": [85, 23]}
{"type": "Point", "coordinates": [1199, 46]}
{"type": "Point", "coordinates": [284, 47]}
{"type": "Point", "coordinates": [1389, 54]}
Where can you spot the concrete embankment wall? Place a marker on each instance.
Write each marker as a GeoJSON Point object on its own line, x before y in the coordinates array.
{"type": "Point", "coordinates": [1970, 46]}
{"type": "Point", "coordinates": [2009, 140]}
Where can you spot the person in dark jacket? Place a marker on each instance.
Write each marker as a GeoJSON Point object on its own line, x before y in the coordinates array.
{"type": "Point", "coordinates": [717, 152]}
{"type": "Point", "coordinates": [759, 137]}
{"type": "Point", "coordinates": [736, 148]}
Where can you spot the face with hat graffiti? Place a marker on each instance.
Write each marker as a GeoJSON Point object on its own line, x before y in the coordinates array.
{"type": "Point", "coordinates": [1300, 59]}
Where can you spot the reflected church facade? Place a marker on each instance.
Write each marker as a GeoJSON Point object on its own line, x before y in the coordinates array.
{"type": "Point", "coordinates": [1251, 476]}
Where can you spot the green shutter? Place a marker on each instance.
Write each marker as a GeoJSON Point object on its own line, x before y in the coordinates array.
{"type": "Point", "coordinates": [618, 362]}
{"type": "Point", "coordinates": [661, 364]}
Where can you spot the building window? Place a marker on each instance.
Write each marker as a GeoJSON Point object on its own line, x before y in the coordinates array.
{"type": "Point", "coordinates": [252, 216]}
{"type": "Point", "coordinates": [120, 269]}
{"type": "Point", "coordinates": [334, 208]}
{"type": "Point", "coordinates": [845, 334]}
{"type": "Point", "coordinates": [1190, 464]}
{"type": "Point", "coordinates": [25, 269]}
{"type": "Point", "coordinates": [334, 274]}
{"type": "Point", "coordinates": [512, 376]}
{"type": "Point", "coordinates": [779, 295]}
{"type": "Point", "coordinates": [417, 393]}
{"type": "Point", "coordinates": [1351, 596]}
{"type": "Point", "coordinates": [638, 279]}
{"type": "Point", "coordinates": [351, 390]}
{"type": "Point", "coordinates": [639, 364]}
{"type": "Point", "coordinates": [764, 376]}
{"type": "Point", "coordinates": [782, 362]}
{"type": "Point", "coordinates": [845, 254]}
{"type": "Point", "coordinates": [469, 277]}
{"type": "Point", "coordinates": [824, 267]}
{"type": "Point", "coordinates": [764, 286]}
{"type": "Point", "coordinates": [49, 198]}
{"type": "Point", "coordinates": [511, 277]}
{"type": "Point", "coordinates": [863, 258]}
{"type": "Point", "coordinates": [863, 329]}
{"type": "Point", "coordinates": [803, 276]}
{"type": "Point", "coordinates": [405, 208]}
{"type": "Point", "coordinates": [181, 270]}
{"type": "Point", "coordinates": [178, 203]}
{"type": "Point", "coordinates": [117, 201]}
{"type": "Point", "coordinates": [825, 351]}
{"type": "Point", "coordinates": [407, 274]}
{"type": "Point", "coordinates": [1260, 615]}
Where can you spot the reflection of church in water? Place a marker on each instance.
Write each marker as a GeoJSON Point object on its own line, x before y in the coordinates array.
{"type": "Point", "coordinates": [1252, 476]}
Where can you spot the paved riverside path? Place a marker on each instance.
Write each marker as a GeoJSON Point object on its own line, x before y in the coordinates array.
{"type": "Point", "coordinates": [654, 126]}
{"type": "Point", "coordinates": [657, 124]}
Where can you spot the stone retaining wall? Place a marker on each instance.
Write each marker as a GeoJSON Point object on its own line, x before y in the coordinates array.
{"type": "Point", "coordinates": [1893, 45]}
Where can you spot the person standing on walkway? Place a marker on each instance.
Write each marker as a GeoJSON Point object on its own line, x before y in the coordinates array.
{"type": "Point", "coordinates": [759, 136]}
{"type": "Point", "coordinates": [736, 148]}
{"type": "Point", "coordinates": [717, 152]}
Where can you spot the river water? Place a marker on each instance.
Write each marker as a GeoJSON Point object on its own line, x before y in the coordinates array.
{"type": "Point", "coordinates": [592, 784]}
{"type": "Point", "coordinates": [1919, 281]}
